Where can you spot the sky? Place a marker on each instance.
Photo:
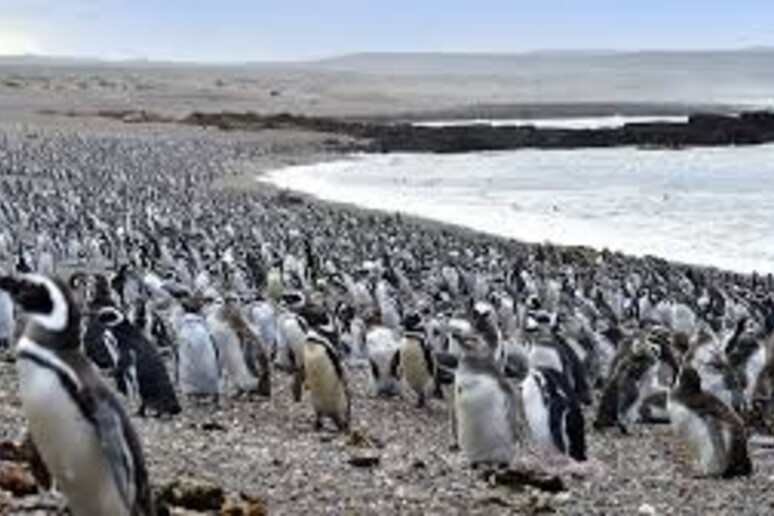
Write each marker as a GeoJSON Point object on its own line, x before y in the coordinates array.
{"type": "Point", "coordinates": [261, 30]}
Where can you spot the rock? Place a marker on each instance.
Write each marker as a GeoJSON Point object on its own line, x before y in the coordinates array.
{"type": "Point", "coordinates": [518, 478]}
{"type": "Point", "coordinates": [646, 510]}
{"type": "Point", "coordinates": [210, 426]}
{"type": "Point", "coordinates": [237, 508]}
{"type": "Point", "coordinates": [364, 460]}
{"type": "Point", "coordinates": [254, 504]}
{"type": "Point", "coordinates": [194, 494]}
{"type": "Point", "coordinates": [17, 479]}
{"type": "Point", "coordinates": [359, 438]}
{"type": "Point", "coordinates": [12, 452]}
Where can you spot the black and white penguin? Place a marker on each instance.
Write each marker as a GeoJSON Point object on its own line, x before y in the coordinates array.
{"type": "Point", "coordinates": [77, 424]}
{"type": "Point", "coordinates": [326, 381]}
{"type": "Point", "coordinates": [486, 418]}
{"type": "Point", "coordinates": [140, 370]}
{"type": "Point", "coordinates": [553, 413]}
{"type": "Point", "coordinates": [714, 433]}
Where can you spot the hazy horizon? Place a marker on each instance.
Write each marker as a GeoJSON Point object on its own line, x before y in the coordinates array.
{"type": "Point", "coordinates": [241, 31]}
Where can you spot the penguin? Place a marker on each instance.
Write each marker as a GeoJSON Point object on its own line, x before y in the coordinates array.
{"type": "Point", "coordinates": [416, 362]}
{"type": "Point", "coordinates": [78, 425]}
{"type": "Point", "coordinates": [7, 320]}
{"type": "Point", "coordinates": [714, 433]}
{"type": "Point", "coordinates": [233, 357]}
{"type": "Point", "coordinates": [139, 366]}
{"type": "Point", "coordinates": [384, 358]}
{"type": "Point", "coordinates": [198, 369]}
{"type": "Point", "coordinates": [326, 381]}
{"type": "Point", "coordinates": [634, 379]}
{"type": "Point", "coordinates": [486, 420]}
{"type": "Point", "coordinates": [255, 354]}
{"type": "Point", "coordinates": [553, 413]}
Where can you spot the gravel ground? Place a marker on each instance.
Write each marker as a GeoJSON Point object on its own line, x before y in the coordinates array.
{"type": "Point", "coordinates": [269, 448]}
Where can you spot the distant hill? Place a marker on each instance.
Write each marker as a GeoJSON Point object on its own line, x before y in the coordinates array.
{"type": "Point", "coordinates": [757, 62]}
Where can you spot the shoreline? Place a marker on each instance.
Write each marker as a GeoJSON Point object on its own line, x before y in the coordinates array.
{"type": "Point", "coordinates": [435, 224]}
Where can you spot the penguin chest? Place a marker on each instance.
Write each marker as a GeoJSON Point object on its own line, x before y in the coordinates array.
{"type": "Point", "coordinates": [752, 371]}
{"type": "Point", "coordinates": [68, 443]}
{"type": "Point", "coordinates": [232, 357]}
{"type": "Point", "coordinates": [483, 426]}
{"type": "Point", "coordinates": [198, 362]}
{"type": "Point", "coordinates": [414, 366]}
{"type": "Point", "coordinates": [695, 434]}
{"type": "Point", "coordinates": [325, 387]}
{"type": "Point", "coordinates": [536, 412]}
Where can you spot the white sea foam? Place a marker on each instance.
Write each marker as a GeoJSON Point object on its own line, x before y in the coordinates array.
{"type": "Point", "coordinates": [704, 206]}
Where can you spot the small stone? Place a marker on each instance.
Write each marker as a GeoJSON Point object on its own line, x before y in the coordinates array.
{"type": "Point", "coordinates": [646, 510]}
{"type": "Point", "coordinates": [519, 477]}
{"type": "Point", "coordinates": [194, 494]}
{"type": "Point", "coordinates": [12, 452]}
{"type": "Point", "coordinates": [364, 460]}
{"type": "Point", "coordinates": [17, 480]}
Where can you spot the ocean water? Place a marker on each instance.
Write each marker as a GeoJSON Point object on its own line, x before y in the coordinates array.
{"type": "Point", "coordinates": [597, 122]}
{"type": "Point", "coordinates": [711, 206]}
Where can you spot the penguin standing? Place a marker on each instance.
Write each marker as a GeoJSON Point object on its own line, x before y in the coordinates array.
{"type": "Point", "coordinates": [383, 357]}
{"type": "Point", "coordinates": [7, 320]}
{"type": "Point", "coordinates": [230, 350]}
{"type": "Point", "coordinates": [197, 357]}
{"type": "Point", "coordinates": [553, 413]}
{"type": "Point", "coordinates": [486, 421]}
{"type": "Point", "coordinates": [140, 368]}
{"type": "Point", "coordinates": [715, 434]}
{"type": "Point", "coordinates": [633, 380]}
{"type": "Point", "coordinates": [325, 378]}
{"type": "Point", "coordinates": [417, 364]}
{"type": "Point", "coordinates": [77, 424]}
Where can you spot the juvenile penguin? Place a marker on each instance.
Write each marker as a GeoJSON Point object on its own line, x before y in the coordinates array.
{"type": "Point", "coordinates": [634, 379]}
{"type": "Point", "coordinates": [233, 356]}
{"type": "Point", "coordinates": [327, 383]}
{"type": "Point", "coordinates": [486, 421]}
{"type": "Point", "coordinates": [715, 434]}
{"type": "Point", "coordinates": [417, 364]}
{"type": "Point", "coordinates": [383, 357]}
{"type": "Point", "coordinates": [77, 424]}
{"type": "Point", "coordinates": [198, 369]}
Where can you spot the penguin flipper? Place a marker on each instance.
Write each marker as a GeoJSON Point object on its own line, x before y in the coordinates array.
{"type": "Point", "coordinates": [122, 448]}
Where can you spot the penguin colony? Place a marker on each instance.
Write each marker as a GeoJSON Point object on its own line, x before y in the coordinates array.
{"type": "Point", "coordinates": [170, 294]}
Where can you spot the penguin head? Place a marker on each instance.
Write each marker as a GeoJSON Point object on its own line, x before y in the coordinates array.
{"type": "Point", "coordinates": [47, 301]}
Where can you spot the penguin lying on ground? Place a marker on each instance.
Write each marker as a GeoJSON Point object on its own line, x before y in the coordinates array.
{"type": "Point", "coordinates": [77, 424]}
